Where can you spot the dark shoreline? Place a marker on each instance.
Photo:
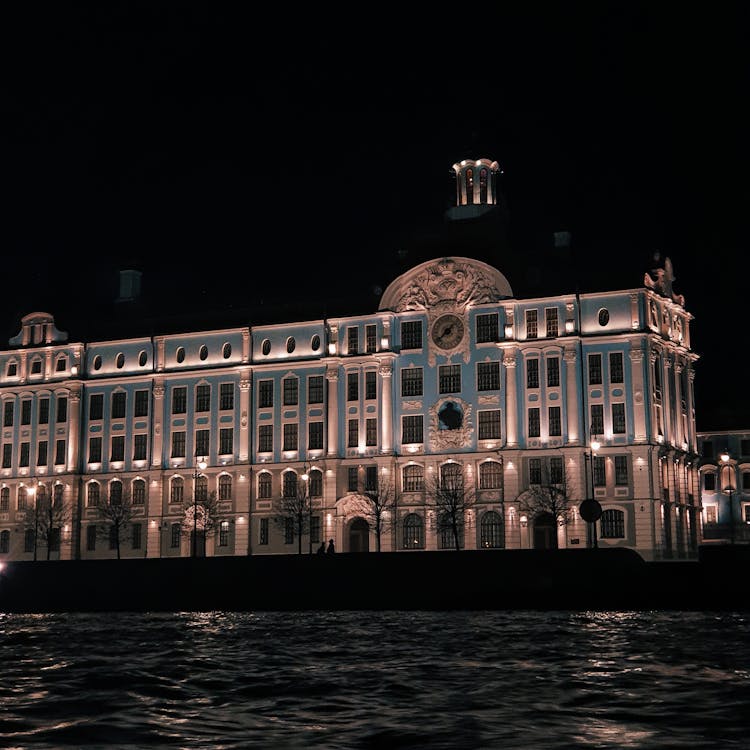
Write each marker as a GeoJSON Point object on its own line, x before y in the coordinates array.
{"type": "Point", "coordinates": [602, 579]}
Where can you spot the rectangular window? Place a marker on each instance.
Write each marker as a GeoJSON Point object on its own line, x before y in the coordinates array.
{"type": "Point", "coordinates": [118, 405]}
{"type": "Point", "coordinates": [263, 535]}
{"type": "Point", "coordinates": [62, 409]}
{"type": "Point", "coordinates": [449, 378]}
{"type": "Point", "coordinates": [315, 529]}
{"type": "Point", "coordinates": [600, 477]}
{"type": "Point", "coordinates": [534, 422]}
{"type": "Point", "coordinates": [176, 534]}
{"type": "Point", "coordinates": [352, 386]}
{"type": "Point", "coordinates": [553, 372]}
{"type": "Point", "coordinates": [555, 422]}
{"type": "Point", "coordinates": [265, 438]}
{"type": "Point", "coordinates": [371, 479]}
{"type": "Point", "coordinates": [118, 448]}
{"type": "Point", "coordinates": [487, 328]}
{"type": "Point", "coordinates": [710, 514]}
{"type": "Point", "coordinates": [137, 535]}
{"type": "Point", "coordinates": [352, 340]}
{"type": "Point", "coordinates": [202, 442]}
{"type": "Point", "coordinates": [597, 419]}
{"type": "Point", "coordinates": [595, 369]}
{"type": "Point", "coordinates": [203, 398]}
{"type": "Point", "coordinates": [96, 406]}
{"type": "Point", "coordinates": [139, 447]}
{"type": "Point", "coordinates": [43, 411]}
{"type": "Point", "coordinates": [290, 436]}
{"type": "Point", "coordinates": [226, 441]}
{"type": "Point", "coordinates": [550, 316]}
{"type": "Point", "coordinates": [179, 400]}
{"type": "Point", "coordinates": [265, 394]}
{"type": "Point", "coordinates": [371, 431]}
{"type": "Point", "coordinates": [288, 531]}
{"type": "Point", "coordinates": [139, 492]}
{"type": "Point", "coordinates": [488, 376]}
{"type": "Point", "coordinates": [290, 388]}
{"type": "Point", "coordinates": [411, 381]}
{"type": "Point", "coordinates": [315, 435]}
{"type": "Point", "coordinates": [556, 470]}
{"type": "Point", "coordinates": [178, 444]}
{"type": "Point", "coordinates": [352, 431]}
{"type": "Point", "coordinates": [371, 341]}
{"type": "Point", "coordinates": [91, 538]}
{"type": "Point", "coordinates": [616, 368]}
{"type": "Point", "coordinates": [532, 373]}
{"type": "Point", "coordinates": [352, 479]}
{"type": "Point", "coordinates": [618, 419]}
{"type": "Point", "coordinates": [29, 540]}
{"type": "Point", "coordinates": [412, 429]}
{"type": "Point", "coordinates": [8, 414]}
{"type": "Point", "coordinates": [532, 324]}
{"type": "Point", "coordinates": [41, 453]}
{"type": "Point", "coordinates": [24, 459]}
{"type": "Point", "coordinates": [224, 534]}
{"type": "Point", "coordinates": [59, 452]}
{"type": "Point", "coordinates": [411, 334]}
{"type": "Point", "coordinates": [489, 424]}
{"type": "Point", "coordinates": [140, 408]}
{"type": "Point", "coordinates": [315, 389]}
{"type": "Point", "coordinates": [621, 470]}
{"type": "Point", "coordinates": [226, 396]}
{"type": "Point", "coordinates": [371, 385]}
{"type": "Point", "coordinates": [535, 471]}
{"type": "Point", "coordinates": [7, 455]}
{"type": "Point", "coordinates": [26, 411]}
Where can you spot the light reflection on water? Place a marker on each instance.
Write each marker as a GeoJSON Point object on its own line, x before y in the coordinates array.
{"type": "Point", "coordinates": [375, 679]}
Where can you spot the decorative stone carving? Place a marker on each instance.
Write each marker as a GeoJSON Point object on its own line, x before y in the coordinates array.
{"type": "Point", "coordinates": [442, 438]}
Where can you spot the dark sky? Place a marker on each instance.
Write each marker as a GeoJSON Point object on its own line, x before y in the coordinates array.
{"type": "Point", "coordinates": [231, 154]}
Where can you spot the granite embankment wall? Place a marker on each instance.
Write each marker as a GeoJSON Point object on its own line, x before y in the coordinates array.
{"type": "Point", "coordinates": [487, 579]}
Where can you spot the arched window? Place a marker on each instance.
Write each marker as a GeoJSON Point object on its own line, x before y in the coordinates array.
{"type": "Point", "coordinates": [413, 532]}
{"type": "Point", "coordinates": [115, 492]}
{"type": "Point", "coordinates": [413, 478]}
{"type": "Point", "coordinates": [92, 494]}
{"type": "Point", "coordinates": [451, 477]}
{"type": "Point", "coordinates": [470, 185]}
{"type": "Point", "coordinates": [5, 499]}
{"type": "Point", "coordinates": [22, 498]}
{"type": "Point", "coordinates": [225, 487]}
{"type": "Point", "coordinates": [41, 494]}
{"type": "Point", "coordinates": [57, 494]}
{"type": "Point", "coordinates": [176, 533]}
{"type": "Point", "coordinates": [491, 531]}
{"type": "Point", "coordinates": [224, 534]}
{"type": "Point", "coordinates": [177, 490]}
{"type": "Point", "coordinates": [201, 488]}
{"type": "Point", "coordinates": [613, 524]}
{"type": "Point", "coordinates": [446, 539]}
{"type": "Point", "coordinates": [483, 174]}
{"type": "Point", "coordinates": [4, 542]}
{"type": "Point", "coordinates": [139, 492]}
{"type": "Point", "coordinates": [264, 486]}
{"type": "Point", "coordinates": [290, 484]}
{"type": "Point", "coordinates": [316, 483]}
{"type": "Point", "coordinates": [490, 475]}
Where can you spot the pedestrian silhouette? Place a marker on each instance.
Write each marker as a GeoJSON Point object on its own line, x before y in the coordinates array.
{"type": "Point", "coordinates": [322, 548]}
{"type": "Point", "coordinates": [331, 548]}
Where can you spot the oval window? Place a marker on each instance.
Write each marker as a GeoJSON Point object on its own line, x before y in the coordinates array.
{"type": "Point", "coordinates": [203, 354]}
{"type": "Point", "coordinates": [180, 354]}
{"type": "Point", "coordinates": [120, 361]}
{"type": "Point", "coordinates": [290, 344]}
{"type": "Point", "coordinates": [266, 347]}
{"type": "Point", "coordinates": [142, 359]}
{"type": "Point", "coordinates": [98, 362]}
{"type": "Point", "coordinates": [315, 343]}
{"type": "Point", "coordinates": [603, 316]}
{"type": "Point", "coordinates": [227, 350]}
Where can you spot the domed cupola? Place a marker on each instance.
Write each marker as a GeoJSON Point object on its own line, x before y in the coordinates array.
{"type": "Point", "coordinates": [476, 189]}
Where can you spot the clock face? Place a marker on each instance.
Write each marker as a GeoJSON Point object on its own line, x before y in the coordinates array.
{"type": "Point", "coordinates": [448, 331]}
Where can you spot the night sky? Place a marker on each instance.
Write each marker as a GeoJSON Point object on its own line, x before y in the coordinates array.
{"type": "Point", "coordinates": [239, 159]}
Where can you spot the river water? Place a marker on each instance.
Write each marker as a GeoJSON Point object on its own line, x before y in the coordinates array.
{"type": "Point", "coordinates": [375, 680]}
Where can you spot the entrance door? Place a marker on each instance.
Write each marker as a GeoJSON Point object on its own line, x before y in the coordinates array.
{"type": "Point", "coordinates": [545, 531]}
{"type": "Point", "coordinates": [359, 536]}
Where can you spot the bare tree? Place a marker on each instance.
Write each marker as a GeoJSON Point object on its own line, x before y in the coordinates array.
{"type": "Point", "coordinates": [116, 511]}
{"type": "Point", "coordinates": [295, 507]}
{"type": "Point", "coordinates": [203, 515]}
{"type": "Point", "coordinates": [553, 493]}
{"type": "Point", "coordinates": [378, 507]}
{"type": "Point", "coordinates": [451, 497]}
{"type": "Point", "coordinates": [47, 517]}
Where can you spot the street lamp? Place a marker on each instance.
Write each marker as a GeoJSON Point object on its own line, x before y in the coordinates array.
{"type": "Point", "coordinates": [32, 492]}
{"type": "Point", "coordinates": [305, 477]}
{"type": "Point", "coordinates": [200, 465]}
{"type": "Point", "coordinates": [591, 509]}
{"type": "Point", "coordinates": [727, 489]}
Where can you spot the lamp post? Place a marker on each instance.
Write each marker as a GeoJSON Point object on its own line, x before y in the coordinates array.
{"type": "Point", "coordinates": [200, 465]}
{"type": "Point", "coordinates": [591, 510]}
{"type": "Point", "coordinates": [305, 487]}
{"type": "Point", "coordinates": [727, 489]}
{"type": "Point", "coordinates": [32, 491]}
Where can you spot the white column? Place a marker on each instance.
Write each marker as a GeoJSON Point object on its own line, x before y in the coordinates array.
{"type": "Point", "coordinates": [245, 390]}
{"type": "Point", "coordinates": [332, 376]}
{"type": "Point", "coordinates": [679, 437]}
{"type": "Point", "coordinates": [639, 401]}
{"type": "Point", "coordinates": [386, 407]}
{"type": "Point", "coordinates": [158, 432]}
{"type": "Point", "coordinates": [511, 407]}
{"type": "Point", "coordinates": [572, 397]}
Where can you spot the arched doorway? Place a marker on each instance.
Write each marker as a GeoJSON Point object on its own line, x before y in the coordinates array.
{"type": "Point", "coordinates": [359, 535]}
{"type": "Point", "coordinates": [545, 531]}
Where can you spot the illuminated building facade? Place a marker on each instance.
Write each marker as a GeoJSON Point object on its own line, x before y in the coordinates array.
{"type": "Point", "coordinates": [454, 415]}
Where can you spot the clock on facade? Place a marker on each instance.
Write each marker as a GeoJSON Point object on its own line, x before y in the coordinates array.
{"type": "Point", "coordinates": [448, 331]}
